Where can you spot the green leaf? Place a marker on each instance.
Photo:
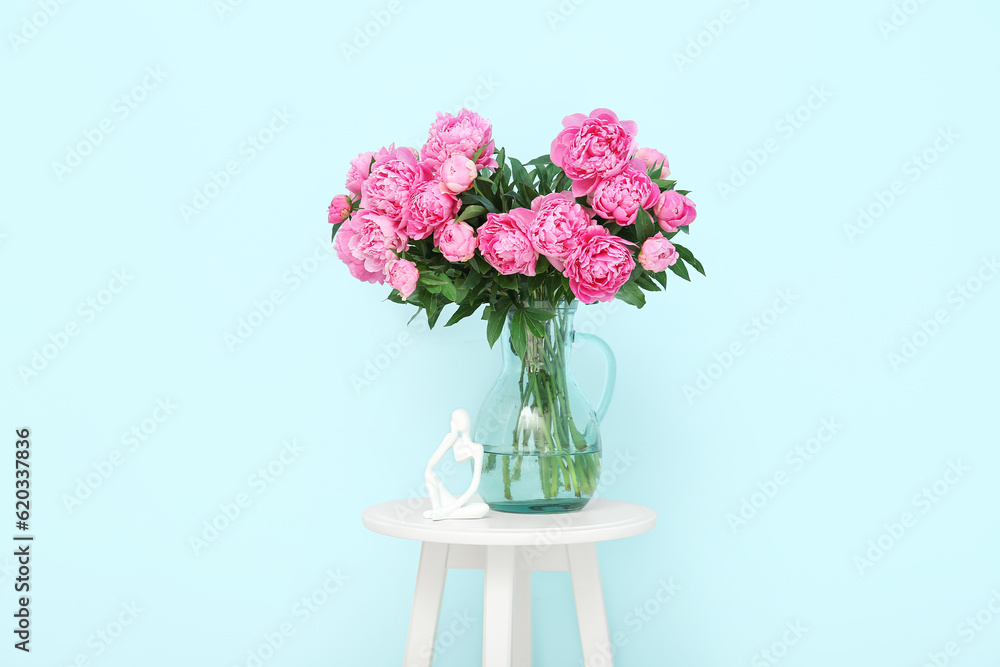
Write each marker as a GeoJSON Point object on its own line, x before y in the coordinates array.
{"type": "Point", "coordinates": [487, 204]}
{"type": "Point", "coordinates": [643, 226]}
{"type": "Point", "coordinates": [685, 229]}
{"type": "Point", "coordinates": [487, 311]}
{"type": "Point", "coordinates": [499, 176]}
{"type": "Point", "coordinates": [541, 159]}
{"type": "Point", "coordinates": [478, 153]}
{"type": "Point", "coordinates": [471, 212]}
{"type": "Point", "coordinates": [530, 193]}
{"type": "Point", "coordinates": [470, 281]}
{"type": "Point", "coordinates": [497, 318]}
{"type": "Point", "coordinates": [434, 308]}
{"type": "Point", "coordinates": [518, 333]}
{"type": "Point", "coordinates": [689, 257]}
{"type": "Point", "coordinates": [632, 295]}
{"type": "Point", "coordinates": [519, 172]}
{"type": "Point", "coordinates": [647, 283]}
{"type": "Point", "coordinates": [506, 282]}
{"type": "Point", "coordinates": [537, 328]}
{"type": "Point", "coordinates": [539, 314]}
{"type": "Point", "coordinates": [656, 168]}
{"type": "Point", "coordinates": [541, 174]}
{"type": "Point", "coordinates": [465, 310]}
{"type": "Point", "coordinates": [661, 278]}
{"type": "Point", "coordinates": [410, 321]}
{"type": "Point", "coordinates": [663, 184]}
{"type": "Point", "coordinates": [448, 290]}
{"type": "Point", "coordinates": [680, 269]}
{"type": "Point", "coordinates": [520, 200]}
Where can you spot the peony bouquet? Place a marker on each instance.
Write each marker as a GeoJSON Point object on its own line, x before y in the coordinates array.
{"type": "Point", "coordinates": [459, 222]}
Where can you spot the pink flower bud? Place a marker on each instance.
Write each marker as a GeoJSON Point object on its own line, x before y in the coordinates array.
{"type": "Point", "coordinates": [654, 158]}
{"type": "Point", "coordinates": [340, 209]}
{"type": "Point", "coordinates": [673, 211]}
{"type": "Point", "coordinates": [403, 275]}
{"type": "Point", "coordinates": [457, 173]}
{"type": "Point", "coordinates": [456, 241]}
{"type": "Point", "coordinates": [657, 253]}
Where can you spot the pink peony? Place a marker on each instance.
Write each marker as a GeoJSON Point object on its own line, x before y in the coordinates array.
{"type": "Point", "coordinates": [457, 173]}
{"type": "Point", "coordinates": [654, 158]}
{"type": "Point", "coordinates": [557, 224]}
{"type": "Point", "coordinates": [593, 147]}
{"type": "Point", "coordinates": [427, 206]}
{"type": "Point", "coordinates": [599, 266]}
{"type": "Point", "coordinates": [657, 253]}
{"type": "Point", "coordinates": [392, 177]}
{"type": "Point", "coordinates": [340, 209]}
{"type": "Point", "coordinates": [674, 210]}
{"type": "Point", "coordinates": [375, 238]}
{"type": "Point", "coordinates": [463, 134]}
{"type": "Point", "coordinates": [456, 241]}
{"type": "Point", "coordinates": [504, 242]}
{"type": "Point", "coordinates": [341, 243]}
{"type": "Point", "coordinates": [620, 197]}
{"type": "Point", "coordinates": [403, 276]}
{"type": "Point", "coordinates": [361, 166]}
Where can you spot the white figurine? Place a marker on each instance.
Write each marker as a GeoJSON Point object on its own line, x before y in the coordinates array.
{"type": "Point", "coordinates": [443, 504]}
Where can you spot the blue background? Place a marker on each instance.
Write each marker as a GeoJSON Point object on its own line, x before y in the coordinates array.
{"type": "Point", "coordinates": [694, 453]}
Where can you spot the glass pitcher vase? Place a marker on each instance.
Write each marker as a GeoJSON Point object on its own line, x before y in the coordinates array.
{"type": "Point", "coordinates": [540, 434]}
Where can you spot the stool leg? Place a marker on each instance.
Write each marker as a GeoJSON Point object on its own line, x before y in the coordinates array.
{"type": "Point", "coordinates": [431, 574]}
{"type": "Point", "coordinates": [522, 618]}
{"type": "Point", "coordinates": [498, 607]}
{"type": "Point", "coordinates": [589, 604]}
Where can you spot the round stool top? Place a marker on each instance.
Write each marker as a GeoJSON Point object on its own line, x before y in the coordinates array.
{"type": "Point", "coordinates": [602, 519]}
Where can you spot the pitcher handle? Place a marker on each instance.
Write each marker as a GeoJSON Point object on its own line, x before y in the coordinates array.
{"type": "Point", "coordinates": [609, 378]}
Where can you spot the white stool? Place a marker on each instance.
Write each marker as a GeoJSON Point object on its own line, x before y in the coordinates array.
{"type": "Point", "coordinates": [508, 547]}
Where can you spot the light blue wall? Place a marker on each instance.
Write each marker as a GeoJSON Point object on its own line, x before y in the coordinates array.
{"type": "Point", "coordinates": [854, 298]}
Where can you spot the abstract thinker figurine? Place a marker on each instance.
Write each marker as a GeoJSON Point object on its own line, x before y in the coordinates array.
{"type": "Point", "coordinates": [443, 504]}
